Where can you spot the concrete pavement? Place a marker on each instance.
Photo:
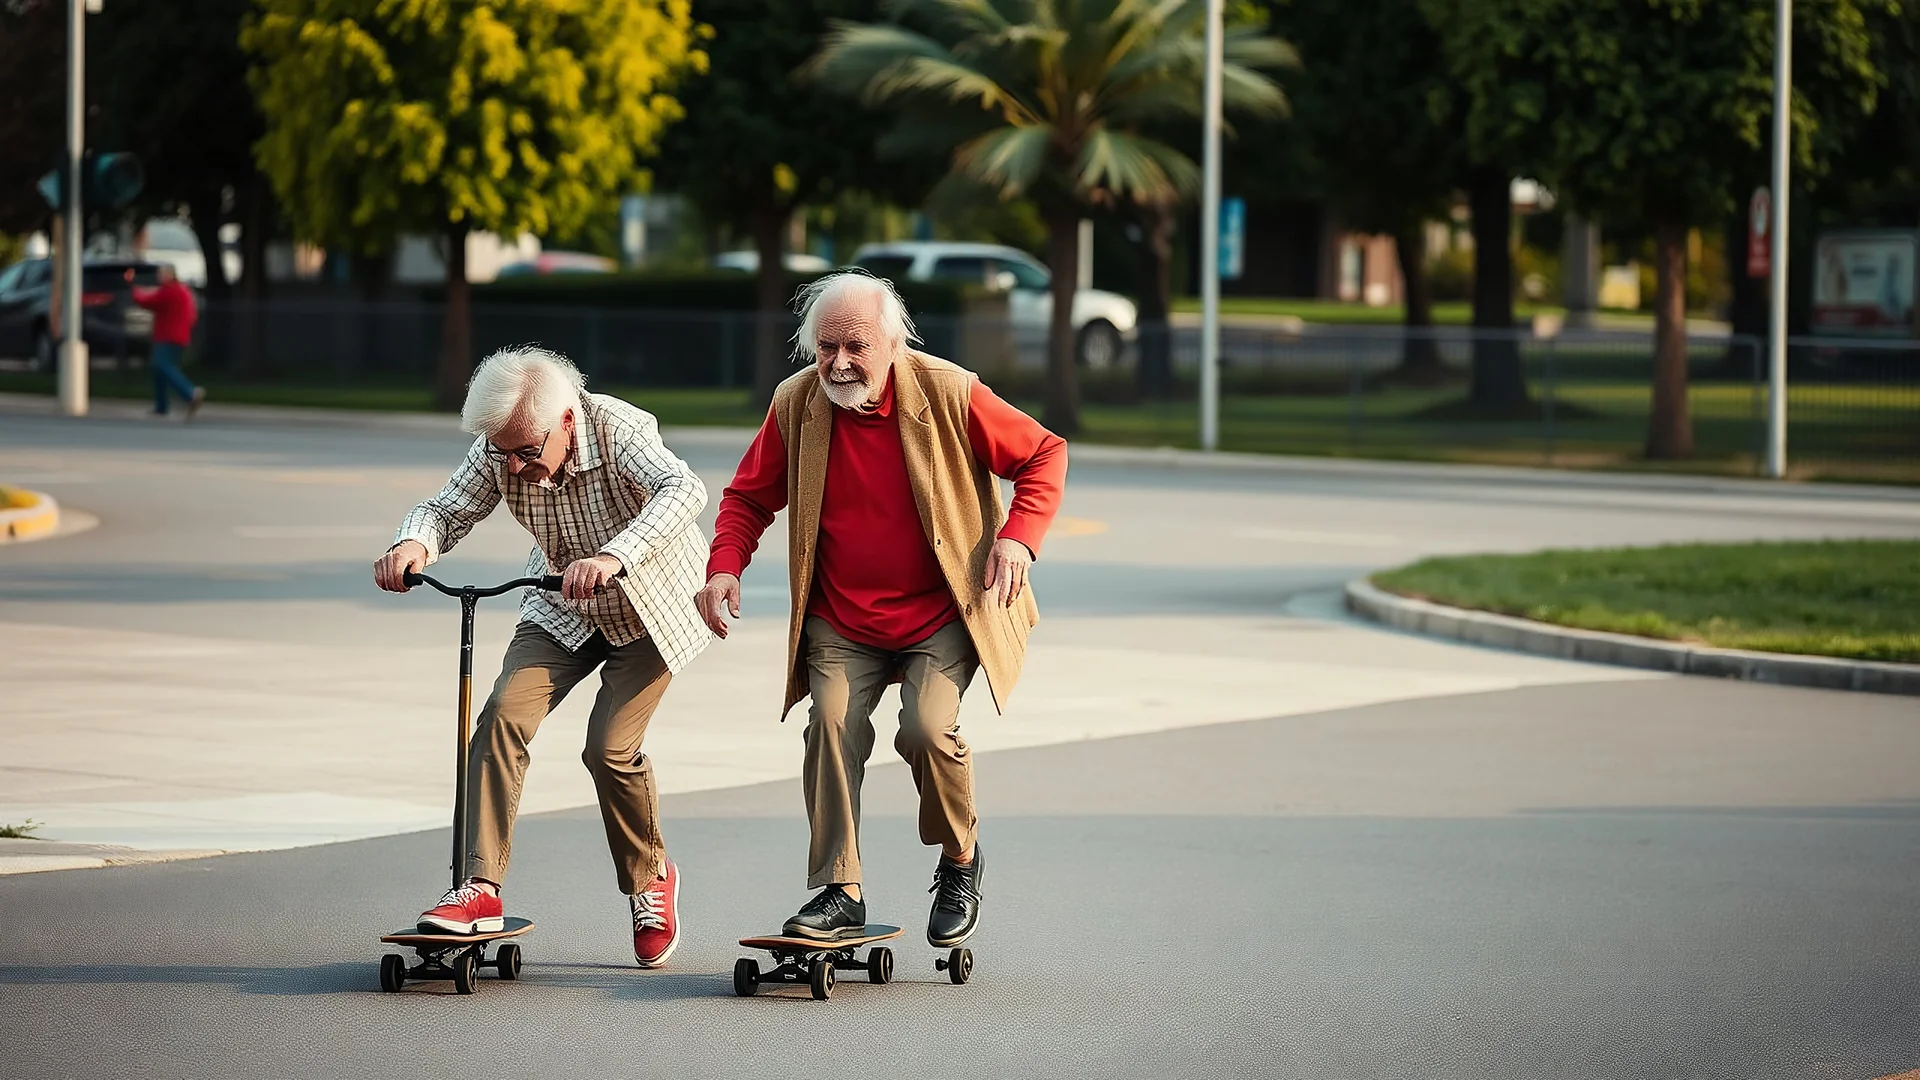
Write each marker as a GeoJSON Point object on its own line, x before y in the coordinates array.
{"type": "Point", "coordinates": [1233, 832]}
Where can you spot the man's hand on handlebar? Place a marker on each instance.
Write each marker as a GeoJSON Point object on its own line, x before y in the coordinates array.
{"type": "Point", "coordinates": [390, 570]}
{"type": "Point", "coordinates": [583, 576]}
{"type": "Point", "coordinates": [721, 596]}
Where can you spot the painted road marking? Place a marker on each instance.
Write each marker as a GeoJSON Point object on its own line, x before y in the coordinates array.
{"type": "Point", "coordinates": [1316, 536]}
{"type": "Point", "coordinates": [312, 532]}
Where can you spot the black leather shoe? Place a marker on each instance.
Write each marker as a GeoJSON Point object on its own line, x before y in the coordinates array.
{"type": "Point", "coordinates": [829, 916]}
{"type": "Point", "coordinates": [956, 901]}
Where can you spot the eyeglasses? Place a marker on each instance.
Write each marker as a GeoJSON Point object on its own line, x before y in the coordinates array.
{"type": "Point", "coordinates": [525, 454]}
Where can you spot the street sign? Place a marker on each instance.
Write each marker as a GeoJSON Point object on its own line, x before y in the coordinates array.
{"type": "Point", "coordinates": [1760, 234]}
{"type": "Point", "coordinates": [1233, 238]}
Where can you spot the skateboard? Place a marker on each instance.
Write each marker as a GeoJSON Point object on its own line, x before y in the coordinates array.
{"type": "Point", "coordinates": [804, 960]}
{"type": "Point", "coordinates": [460, 956]}
{"type": "Point", "coordinates": [451, 956]}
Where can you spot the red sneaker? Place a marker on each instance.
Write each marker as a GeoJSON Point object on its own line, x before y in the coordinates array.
{"type": "Point", "coordinates": [468, 909]}
{"type": "Point", "coordinates": [656, 919]}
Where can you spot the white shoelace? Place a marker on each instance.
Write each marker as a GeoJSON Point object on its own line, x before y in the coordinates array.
{"type": "Point", "coordinates": [650, 908]}
{"type": "Point", "coordinates": [464, 895]}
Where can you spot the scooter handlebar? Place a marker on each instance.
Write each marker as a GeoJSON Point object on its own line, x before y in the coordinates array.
{"type": "Point", "coordinates": [549, 583]}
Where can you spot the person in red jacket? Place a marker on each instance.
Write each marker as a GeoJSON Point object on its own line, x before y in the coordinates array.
{"type": "Point", "coordinates": [904, 566]}
{"type": "Point", "coordinates": [173, 318]}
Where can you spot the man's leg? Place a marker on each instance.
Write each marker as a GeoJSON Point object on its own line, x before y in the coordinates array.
{"type": "Point", "coordinates": [157, 365]}
{"type": "Point", "coordinates": [846, 679]}
{"type": "Point", "coordinates": [534, 678]}
{"type": "Point", "coordinates": [631, 685]}
{"type": "Point", "coordinates": [165, 361]}
{"type": "Point", "coordinates": [935, 675]}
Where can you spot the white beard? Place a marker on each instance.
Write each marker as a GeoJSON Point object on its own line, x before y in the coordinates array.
{"type": "Point", "coordinates": [854, 397]}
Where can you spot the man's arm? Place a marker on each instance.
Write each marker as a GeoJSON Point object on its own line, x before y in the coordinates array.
{"type": "Point", "coordinates": [747, 507]}
{"type": "Point", "coordinates": [1013, 445]}
{"type": "Point", "coordinates": [446, 519]}
{"type": "Point", "coordinates": [674, 494]}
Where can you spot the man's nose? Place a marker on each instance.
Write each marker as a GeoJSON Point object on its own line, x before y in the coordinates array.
{"type": "Point", "coordinates": [515, 464]}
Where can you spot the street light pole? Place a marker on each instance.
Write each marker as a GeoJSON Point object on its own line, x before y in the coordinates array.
{"type": "Point", "coordinates": [73, 341]}
{"type": "Point", "coordinates": [1210, 233]}
{"type": "Point", "coordinates": [1777, 292]}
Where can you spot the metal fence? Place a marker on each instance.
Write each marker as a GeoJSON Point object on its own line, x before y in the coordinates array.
{"type": "Point", "coordinates": [1578, 399]}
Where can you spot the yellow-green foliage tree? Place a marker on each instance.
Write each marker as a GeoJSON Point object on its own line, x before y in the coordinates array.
{"type": "Point", "coordinates": [451, 116]}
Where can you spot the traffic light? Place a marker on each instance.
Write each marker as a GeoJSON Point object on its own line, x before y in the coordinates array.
{"type": "Point", "coordinates": [107, 182]}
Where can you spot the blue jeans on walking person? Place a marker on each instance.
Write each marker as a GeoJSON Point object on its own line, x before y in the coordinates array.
{"type": "Point", "coordinates": [165, 362]}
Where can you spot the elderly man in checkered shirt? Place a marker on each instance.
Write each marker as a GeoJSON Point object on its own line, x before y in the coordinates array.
{"type": "Point", "coordinates": [615, 512]}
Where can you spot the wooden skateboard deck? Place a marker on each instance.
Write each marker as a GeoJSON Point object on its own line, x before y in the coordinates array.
{"type": "Point", "coordinates": [871, 933]}
{"type": "Point", "coordinates": [514, 928]}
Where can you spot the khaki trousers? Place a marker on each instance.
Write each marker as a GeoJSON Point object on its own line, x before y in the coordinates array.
{"type": "Point", "coordinates": [535, 677]}
{"type": "Point", "coordinates": [846, 679]}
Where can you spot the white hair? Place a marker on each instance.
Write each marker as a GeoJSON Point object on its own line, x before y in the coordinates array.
{"type": "Point", "coordinates": [822, 293]}
{"type": "Point", "coordinates": [525, 382]}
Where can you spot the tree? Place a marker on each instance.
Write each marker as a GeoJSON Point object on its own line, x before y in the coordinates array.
{"type": "Point", "coordinates": [1658, 107]}
{"type": "Point", "coordinates": [1047, 103]}
{"type": "Point", "coordinates": [1370, 97]}
{"type": "Point", "coordinates": [385, 116]}
{"type": "Point", "coordinates": [756, 145]}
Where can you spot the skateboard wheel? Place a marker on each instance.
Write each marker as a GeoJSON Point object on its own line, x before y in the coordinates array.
{"type": "Point", "coordinates": [959, 965]}
{"type": "Point", "coordinates": [821, 975]}
{"type": "Point", "coordinates": [463, 971]}
{"type": "Point", "coordinates": [507, 961]}
{"type": "Point", "coordinates": [746, 977]}
{"type": "Point", "coordinates": [393, 973]}
{"type": "Point", "coordinates": [880, 965]}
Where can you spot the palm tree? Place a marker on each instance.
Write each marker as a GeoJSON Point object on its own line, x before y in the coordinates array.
{"type": "Point", "coordinates": [1048, 99]}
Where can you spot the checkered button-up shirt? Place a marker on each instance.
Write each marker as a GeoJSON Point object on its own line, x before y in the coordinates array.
{"type": "Point", "coordinates": [622, 493]}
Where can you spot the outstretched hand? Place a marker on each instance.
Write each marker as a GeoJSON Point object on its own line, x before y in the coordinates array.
{"type": "Point", "coordinates": [720, 597]}
{"type": "Point", "coordinates": [1007, 566]}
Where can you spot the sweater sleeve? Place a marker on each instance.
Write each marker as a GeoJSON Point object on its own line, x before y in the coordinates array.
{"type": "Point", "coordinates": [747, 506]}
{"type": "Point", "coordinates": [1013, 445]}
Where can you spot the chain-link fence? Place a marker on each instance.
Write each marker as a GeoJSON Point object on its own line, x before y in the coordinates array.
{"type": "Point", "coordinates": [1569, 399]}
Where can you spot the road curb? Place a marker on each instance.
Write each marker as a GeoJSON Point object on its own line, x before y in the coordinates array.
{"type": "Point", "coordinates": [27, 515]}
{"type": "Point", "coordinates": [1363, 598]}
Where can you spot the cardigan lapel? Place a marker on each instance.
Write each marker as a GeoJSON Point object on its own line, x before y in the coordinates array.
{"type": "Point", "coordinates": [915, 419]}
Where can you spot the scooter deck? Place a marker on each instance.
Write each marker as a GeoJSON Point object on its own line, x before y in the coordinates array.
{"type": "Point", "coordinates": [514, 928]}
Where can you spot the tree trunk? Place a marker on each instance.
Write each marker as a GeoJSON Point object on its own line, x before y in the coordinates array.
{"type": "Point", "coordinates": [1498, 383]}
{"type": "Point", "coordinates": [1419, 352]}
{"type": "Point", "coordinates": [371, 274]}
{"type": "Point", "coordinates": [1670, 428]}
{"type": "Point", "coordinates": [772, 359]}
{"type": "Point", "coordinates": [456, 330]}
{"type": "Point", "coordinates": [1155, 373]}
{"type": "Point", "coordinates": [1061, 402]}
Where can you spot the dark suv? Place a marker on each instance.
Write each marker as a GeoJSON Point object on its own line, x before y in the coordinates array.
{"type": "Point", "coordinates": [113, 323]}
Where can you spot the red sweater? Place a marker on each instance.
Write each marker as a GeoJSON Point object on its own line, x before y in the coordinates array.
{"type": "Point", "coordinates": [875, 577]}
{"type": "Point", "coordinates": [173, 312]}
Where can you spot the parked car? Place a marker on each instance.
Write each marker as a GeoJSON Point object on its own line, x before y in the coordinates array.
{"type": "Point", "coordinates": [110, 321]}
{"type": "Point", "coordinates": [560, 262]}
{"type": "Point", "coordinates": [172, 242]}
{"type": "Point", "coordinates": [1102, 321]}
{"type": "Point", "coordinates": [748, 262]}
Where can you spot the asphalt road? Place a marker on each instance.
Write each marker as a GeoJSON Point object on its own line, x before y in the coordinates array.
{"type": "Point", "coordinates": [1229, 832]}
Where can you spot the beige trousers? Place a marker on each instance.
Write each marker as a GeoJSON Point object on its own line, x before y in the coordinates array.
{"type": "Point", "coordinates": [846, 679]}
{"type": "Point", "coordinates": [534, 678]}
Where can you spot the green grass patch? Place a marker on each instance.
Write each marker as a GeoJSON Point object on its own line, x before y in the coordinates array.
{"type": "Point", "coordinates": [23, 831]}
{"type": "Point", "coordinates": [1857, 599]}
{"type": "Point", "coordinates": [1340, 312]}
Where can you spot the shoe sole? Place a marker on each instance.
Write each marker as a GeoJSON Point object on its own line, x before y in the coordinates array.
{"type": "Point", "coordinates": [815, 935]}
{"type": "Point", "coordinates": [661, 960]}
{"type": "Point", "coordinates": [448, 926]}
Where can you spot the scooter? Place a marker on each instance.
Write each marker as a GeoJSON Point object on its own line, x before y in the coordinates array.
{"type": "Point", "coordinates": [460, 956]}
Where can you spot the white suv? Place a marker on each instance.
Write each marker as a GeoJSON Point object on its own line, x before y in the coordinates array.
{"type": "Point", "coordinates": [1102, 321]}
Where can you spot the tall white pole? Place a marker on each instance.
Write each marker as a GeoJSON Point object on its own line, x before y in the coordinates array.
{"type": "Point", "coordinates": [1777, 293]}
{"type": "Point", "coordinates": [1210, 234]}
{"type": "Point", "coordinates": [73, 342]}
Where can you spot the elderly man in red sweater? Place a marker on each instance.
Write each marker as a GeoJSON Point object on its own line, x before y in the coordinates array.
{"type": "Point", "coordinates": [903, 566]}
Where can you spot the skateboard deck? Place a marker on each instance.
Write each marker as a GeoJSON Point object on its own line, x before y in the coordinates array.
{"type": "Point", "coordinates": [514, 928]}
{"type": "Point", "coordinates": [870, 933]}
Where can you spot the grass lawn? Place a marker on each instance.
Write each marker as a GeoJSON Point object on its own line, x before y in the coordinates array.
{"type": "Point", "coordinates": [1451, 313]}
{"type": "Point", "coordinates": [1858, 599]}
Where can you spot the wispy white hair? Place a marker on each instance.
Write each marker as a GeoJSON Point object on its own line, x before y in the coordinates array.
{"type": "Point", "coordinates": [525, 382]}
{"type": "Point", "coordinates": [822, 293]}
